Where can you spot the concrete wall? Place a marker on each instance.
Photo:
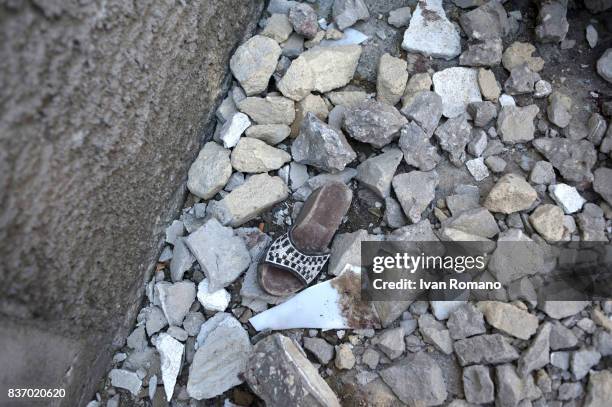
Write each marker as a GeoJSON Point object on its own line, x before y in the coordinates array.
{"type": "Point", "coordinates": [103, 106]}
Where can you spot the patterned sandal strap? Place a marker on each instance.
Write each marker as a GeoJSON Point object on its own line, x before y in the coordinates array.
{"type": "Point", "coordinates": [283, 253]}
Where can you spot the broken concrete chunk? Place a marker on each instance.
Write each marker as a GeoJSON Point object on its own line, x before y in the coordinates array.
{"type": "Point", "coordinates": [486, 53]}
{"type": "Point", "coordinates": [511, 194]}
{"type": "Point", "coordinates": [509, 319]}
{"type": "Point", "coordinates": [515, 124]}
{"type": "Point", "coordinates": [425, 110]}
{"type": "Point", "coordinates": [418, 150]}
{"type": "Point", "coordinates": [259, 193]}
{"type": "Point", "coordinates": [221, 359]}
{"type": "Point", "coordinates": [171, 357]}
{"type": "Point", "coordinates": [466, 321]}
{"type": "Point", "coordinates": [416, 380]}
{"type": "Point", "coordinates": [348, 12]}
{"type": "Point", "coordinates": [290, 379]}
{"type": "Point", "coordinates": [553, 25]}
{"type": "Point", "coordinates": [175, 299]}
{"type": "Point", "coordinates": [486, 22]}
{"type": "Point", "coordinates": [573, 159]}
{"type": "Point", "coordinates": [391, 80]}
{"type": "Point", "coordinates": [254, 62]}
{"type": "Point", "coordinates": [373, 122]}
{"type": "Point", "coordinates": [210, 171]}
{"type": "Point", "coordinates": [458, 87]}
{"type": "Point", "coordinates": [453, 136]}
{"type": "Point", "coordinates": [222, 255]}
{"type": "Point", "coordinates": [212, 300]}
{"type": "Point", "coordinates": [377, 172]}
{"type": "Point", "coordinates": [255, 156]}
{"type": "Point", "coordinates": [269, 110]}
{"type": "Point", "coordinates": [321, 146]}
{"type": "Point", "coordinates": [415, 191]}
{"type": "Point", "coordinates": [124, 379]}
{"type": "Point", "coordinates": [477, 384]}
{"type": "Point", "coordinates": [489, 349]}
{"type": "Point", "coordinates": [431, 33]}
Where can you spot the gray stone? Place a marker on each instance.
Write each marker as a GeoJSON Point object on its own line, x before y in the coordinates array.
{"type": "Point", "coordinates": [416, 380]}
{"type": "Point", "coordinates": [511, 389]}
{"type": "Point", "coordinates": [511, 194]}
{"type": "Point", "coordinates": [278, 28]}
{"type": "Point", "coordinates": [486, 53]}
{"type": "Point", "coordinates": [516, 258]}
{"type": "Point", "coordinates": [391, 79]}
{"type": "Point", "coordinates": [394, 216]}
{"type": "Point", "coordinates": [175, 231]}
{"type": "Point", "coordinates": [537, 355]}
{"type": "Point", "coordinates": [254, 156]}
{"type": "Point", "coordinates": [280, 6]}
{"type": "Point", "coordinates": [304, 20]}
{"type": "Point", "coordinates": [560, 360]}
{"type": "Point", "coordinates": [400, 17]}
{"type": "Point", "coordinates": [193, 322]}
{"type": "Point", "coordinates": [559, 106]}
{"type": "Point", "coordinates": [522, 80]}
{"type": "Point", "coordinates": [425, 110]}
{"type": "Point", "coordinates": [210, 171]}
{"type": "Point", "coordinates": [542, 173]}
{"type": "Point", "coordinates": [566, 197]}
{"type": "Point", "coordinates": [582, 361]}
{"type": "Point", "coordinates": [465, 321]}
{"type": "Point", "coordinates": [222, 255]}
{"type": "Point", "coordinates": [294, 46]}
{"type": "Point", "coordinates": [515, 124]}
{"type": "Point", "coordinates": [321, 146]}
{"type": "Point", "coordinates": [434, 333]}
{"type": "Point", "coordinates": [602, 183]}
{"type": "Point", "coordinates": [482, 113]}
{"type": "Point", "coordinates": [377, 172]}
{"type": "Point", "coordinates": [477, 168]}
{"type": "Point", "coordinates": [348, 98]}
{"type": "Point", "coordinates": [496, 164]}
{"type": "Point", "coordinates": [315, 182]}
{"type": "Point", "coordinates": [221, 359]}
{"type": "Point", "coordinates": [137, 339]}
{"type": "Point", "coordinates": [592, 223]}
{"type": "Point", "coordinates": [313, 104]}
{"type": "Point", "coordinates": [346, 250]}
{"type": "Point", "coordinates": [591, 36]}
{"type": "Point", "coordinates": [509, 319]}
{"type": "Point", "coordinates": [519, 53]}
{"type": "Point", "coordinates": [553, 25]}
{"type": "Point", "coordinates": [465, 197]}
{"type": "Point", "coordinates": [298, 175]}
{"type": "Point", "coordinates": [453, 136]}
{"type": "Point", "coordinates": [321, 69]}
{"type": "Point", "coordinates": [417, 149]}
{"type": "Point", "coordinates": [477, 384]}
{"type": "Point", "coordinates": [124, 379]}
{"type": "Point", "coordinates": [258, 194]}
{"type": "Point", "coordinates": [155, 320]}
{"type": "Point", "coordinates": [370, 358]}
{"type": "Point", "coordinates": [254, 62]}
{"type": "Point", "coordinates": [391, 342]}
{"type": "Point", "coordinates": [604, 65]}
{"type": "Point", "coordinates": [182, 260]}
{"type": "Point", "coordinates": [570, 391]}
{"type": "Point", "coordinates": [489, 88]}
{"type": "Point", "coordinates": [348, 12]}
{"type": "Point", "coordinates": [269, 110]}
{"type": "Point", "coordinates": [431, 33]}
{"type": "Point", "coordinates": [561, 337]}
{"type": "Point", "coordinates": [599, 390]}
{"type": "Point", "coordinates": [290, 379]}
{"type": "Point", "coordinates": [417, 83]}
{"type": "Point", "coordinates": [323, 351]}
{"type": "Point", "coordinates": [269, 133]}
{"type": "Point", "coordinates": [175, 300]}
{"type": "Point", "coordinates": [373, 122]}
{"type": "Point", "coordinates": [477, 221]}
{"type": "Point", "coordinates": [487, 22]}
{"type": "Point", "coordinates": [458, 87]}
{"type": "Point", "coordinates": [562, 309]}
{"type": "Point", "coordinates": [415, 191]}
{"type": "Point", "coordinates": [597, 127]}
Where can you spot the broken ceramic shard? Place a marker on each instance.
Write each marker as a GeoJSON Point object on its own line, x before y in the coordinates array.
{"type": "Point", "coordinates": [332, 304]}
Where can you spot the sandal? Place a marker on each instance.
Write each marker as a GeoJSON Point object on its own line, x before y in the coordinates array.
{"type": "Point", "coordinates": [297, 257]}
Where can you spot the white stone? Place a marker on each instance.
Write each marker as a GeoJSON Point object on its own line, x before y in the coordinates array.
{"type": "Point", "coordinates": [232, 129]}
{"type": "Point", "coordinates": [124, 379]}
{"type": "Point", "coordinates": [506, 100]}
{"type": "Point", "coordinates": [175, 299]}
{"type": "Point", "coordinates": [213, 301]}
{"type": "Point", "coordinates": [431, 33]}
{"type": "Point", "coordinates": [477, 168]}
{"type": "Point", "coordinates": [458, 87]}
{"type": "Point", "coordinates": [566, 197]}
{"type": "Point", "coordinates": [171, 355]}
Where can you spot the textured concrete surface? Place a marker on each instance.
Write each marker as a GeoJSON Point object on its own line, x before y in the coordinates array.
{"type": "Point", "coordinates": [103, 106]}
